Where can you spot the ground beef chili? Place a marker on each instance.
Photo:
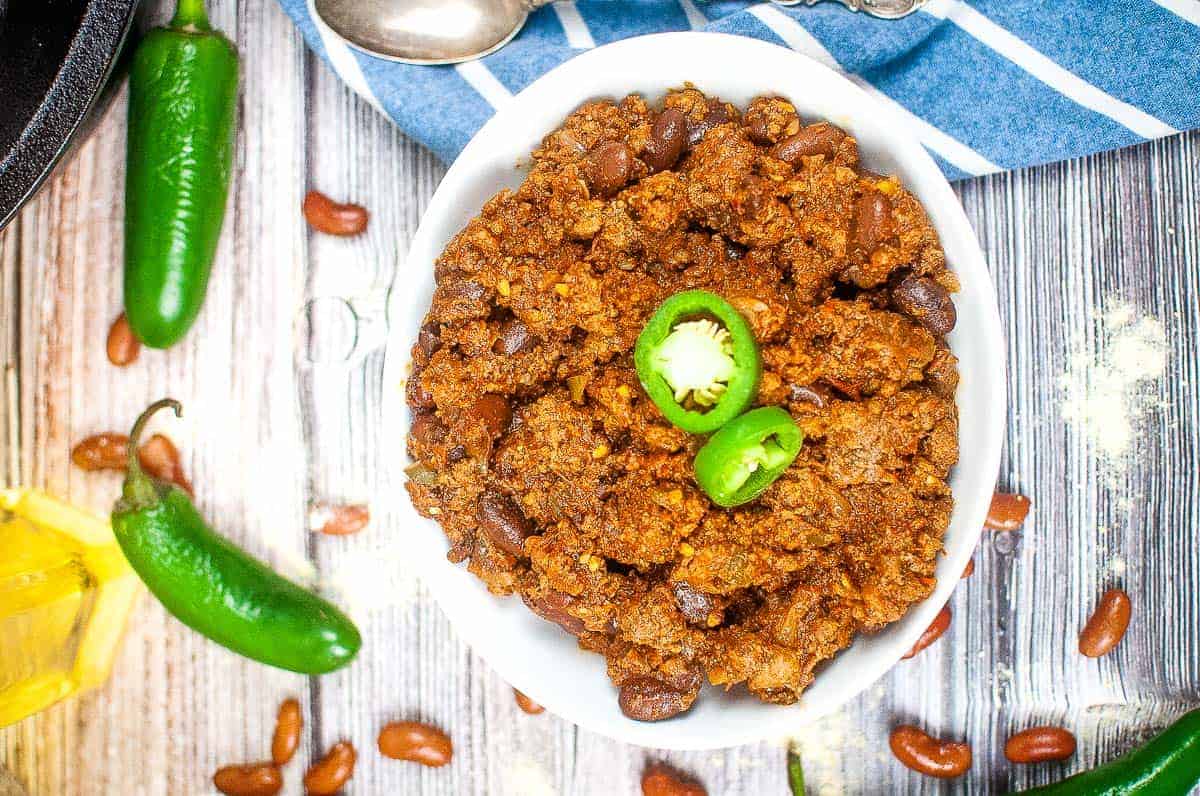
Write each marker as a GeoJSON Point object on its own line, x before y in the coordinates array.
{"type": "Point", "coordinates": [555, 477]}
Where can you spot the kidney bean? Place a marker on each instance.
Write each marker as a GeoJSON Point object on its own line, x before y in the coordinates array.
{"type": "Point", "coordinates": [327, 776]}
{"type": "Point", "coordinates": [416, 742]}
{"type": "Point", "coordinates": [647, 698]}
{"type": "Point", "coordinates": [927, 755]}
{"type": "Point", "coordinates": [553, 608]}
{"type": "Point", "coordinates": [872, 222]}
{"type": "Point", "coordinates": [429, 338]}
{"type": "Point", "coordinates": [514, 338]}
{"type": "Point", "coordinates": [695, 605]}
{"type": "Point", "coordinates": [160, 458]}
{"type": "Point", "coordinates": [660, 779]}
{"type": "Point", "coordinates": [492, 412]}
{"type": "Point", "coordinates": [503, 522]}
{"type": "Point", "coordinates": [106, 451]}
{"type": "Point", "coordinates": [1007, 511]}
{"type": "Point", "coordinates": [608, 167]}
{"type": "Point", "coordinates": [1039, 744]}
{"type": "Point", "coordinates": [122, 345]}
{"type": "Point", "coordinates": [821, 138]}
{"type": "Point", "coordinates": [526, 704]}
{"type": "Point", "coordinates": [932, 633]}
{"type": "Point", "coordinates": [325, 215]}
{"type": "Point", "coordinates": [1107, 625]}
{"type": "Point", "coordinates": [941, 374]}
{"type": "Point", "coordinates": [288, 723]}
{"type": "Point", "coordinates": [667, 139]}
{"type": "Point", "coordinates": [926, 302]}
{"type": "Point", "coordinates": [418, 397]}
{"type": "Point", "coordinates": [250, 779]}
{"type": "Point", "coordinates": [716, 115]}
{"type": "Point", "coordinates": [339, 519]}
{"type": "Point", "coordinates": [969, 569]}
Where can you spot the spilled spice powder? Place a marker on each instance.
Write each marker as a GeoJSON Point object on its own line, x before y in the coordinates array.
{"type": "Point", "coordinates": [1111, 383]}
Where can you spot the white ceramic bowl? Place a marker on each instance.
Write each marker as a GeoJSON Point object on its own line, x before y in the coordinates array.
{"type": "Point", "coordinates": [534, 655]}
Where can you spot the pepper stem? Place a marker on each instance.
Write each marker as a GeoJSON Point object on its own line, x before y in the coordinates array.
{"type": "Point", "coordinates": [139, 491]}
{"type": "Point", "coordinates": [190, 15]}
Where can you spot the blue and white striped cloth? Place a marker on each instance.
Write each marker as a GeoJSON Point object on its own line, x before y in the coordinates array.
{"type": "Point", "coordinates": [988, 85]}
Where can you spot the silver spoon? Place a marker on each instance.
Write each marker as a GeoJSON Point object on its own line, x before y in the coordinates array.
{"type": "Point", "coordinates": [451, 31]}
{"type": "Point", "coordinates": [426, 31]}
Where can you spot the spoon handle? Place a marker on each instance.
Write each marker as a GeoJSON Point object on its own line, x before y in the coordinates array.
{"type": "Point", "coordinates": [884, 9]}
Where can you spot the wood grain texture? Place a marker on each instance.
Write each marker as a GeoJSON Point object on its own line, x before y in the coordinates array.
{"type": "Point", "coordinates": [282, 383]}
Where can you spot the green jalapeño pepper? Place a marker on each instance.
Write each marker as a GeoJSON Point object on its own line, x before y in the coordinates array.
{"type": "Point", "coordinates": [217, 589]}
{"type": "Point", "coordinates": [697, 360]}
{"type": "Point", "coordinates": [179, 157]}
{"type": "Point", "coordinates": [747, 455]}
{"type": "Point", "coordinates": [1168, 765]}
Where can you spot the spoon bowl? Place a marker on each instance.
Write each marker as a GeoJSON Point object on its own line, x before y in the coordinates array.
{"type": "Point", "coordinates": [425, 32]}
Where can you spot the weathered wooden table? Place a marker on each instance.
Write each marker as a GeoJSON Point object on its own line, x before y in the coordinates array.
{"type": "Point", "coordinates": [278, 417]}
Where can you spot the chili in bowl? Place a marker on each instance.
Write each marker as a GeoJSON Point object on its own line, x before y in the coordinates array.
{"type": "Point", "coordinates": [685, 388]}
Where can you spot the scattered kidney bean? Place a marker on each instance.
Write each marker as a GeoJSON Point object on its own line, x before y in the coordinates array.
{"type": "Point", "coordinates": [286, 739]}
{"type": "Point", "coordinates": [514, 338]}
{"type": "Point", "coordinates": [106, 451]}
{"type": "Point", "coordinates": [1007, 511]}
{"type": "Point", "coordinates": [926, 302]}
{"type": "Point", "coordinates": [667, 139]}
{"type": "Point", "coordinates": [122, 345]}
{"type": "Point", "coordinates": [608, 167]}
{"type": "Point", "coordinates": [325, 215]}
{"type": "Point", "coordinates": [1107, 624]}
{"type": "Point", "coordinates": [927, 755]}
{"type": "Point", "coordinates": [416, 742]}
{"type": "Point", "coordinates": [932, 633]}
{"type": "Point", "coordinates": [160, 458]}
{"type": "Point", "coordinates": [251, 779]}
{"type": "Point", "coordinates": [503, 522]}
{"type": "Point", "coordinates": [646, 698]}
{"type": "Point", "coordinates": [872, 223]}
{"type": "Point", "coordinates": [327, 776]}
{"type": "Point", "coordinates": [821, 138]}
{"type": "Point", "coordinates": [1039, 744]}
{"type": "Point", "coordinates": [340, 519]}
{"type": "Point", "coordinates": [969, 569]}
{"type": "Point", "coordinates": [526, 704]}
{"type": "Point", "coordinates": [660, 779]}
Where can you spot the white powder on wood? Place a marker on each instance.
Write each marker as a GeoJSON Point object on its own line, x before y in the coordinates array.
{"type": "Point", "coordinates": [525, 777]}
{"type": "Point", "coordinates": [1109, 385]}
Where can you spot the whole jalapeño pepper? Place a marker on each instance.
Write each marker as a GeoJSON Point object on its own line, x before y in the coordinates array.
{"type": "Point", "coordinates": [697, 360]}
{"type": "Point", "coordinates": [745, 457]}
{"type": "Point", "coordinates": [1168, 765]}
{"type": "Point", "coordinates": [179, 157]}
{"type": "Point", "coordinates": [217, 589]}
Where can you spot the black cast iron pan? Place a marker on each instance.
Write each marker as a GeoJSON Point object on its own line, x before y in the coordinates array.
{"type": "Point", "coordinates": [56, 58]}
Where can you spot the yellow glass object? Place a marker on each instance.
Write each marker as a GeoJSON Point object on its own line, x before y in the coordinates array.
{"type": "Point", "coordinates": [65, 593]}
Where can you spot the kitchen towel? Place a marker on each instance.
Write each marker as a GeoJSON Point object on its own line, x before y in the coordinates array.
{"type": "Point", "coordinates": [987, 85]}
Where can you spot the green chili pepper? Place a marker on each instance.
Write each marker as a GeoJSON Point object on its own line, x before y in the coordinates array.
{"type": "Point", "coordinates": [182, 108]}
{"type": "Point", "coordinates": [697, 360]}
{"type": "Point", "coordinates": [746, 456]}
{"type": "Point", "coordinates": [216, 588]}
{"type": "Point", "coordinates": [1168, 765]}
{"type": "Point", "coordinates": [795, 773]}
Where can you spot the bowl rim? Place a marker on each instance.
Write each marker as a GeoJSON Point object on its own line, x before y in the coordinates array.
{"type": "Point", "coordinates": [943, 208]}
